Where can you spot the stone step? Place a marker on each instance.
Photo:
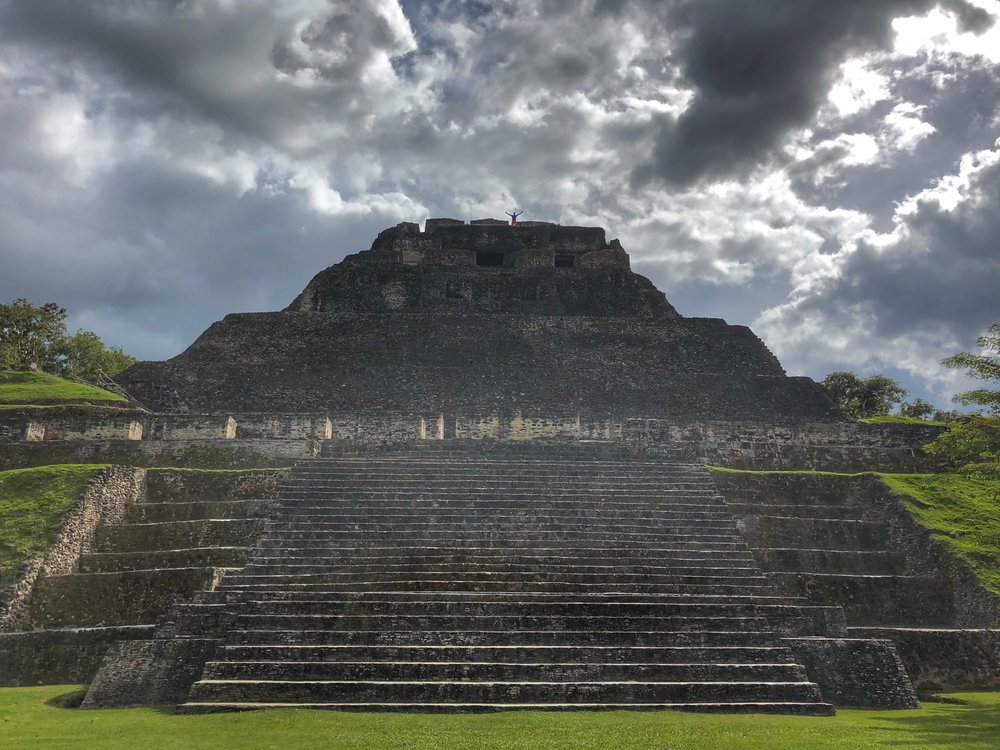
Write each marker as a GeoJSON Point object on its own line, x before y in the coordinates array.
{"type": "Point", "coordinates": [815, 533]}
{"type": "Point", "coordinates": [220, 597]}
{"type": "Point", "coordinates": [616, 485]}
{"type": "Point", "coordinates": [538, 459]}
{"type": "Point", "coordinates": [530, 475]}
{"type": "Point", "coordinates": [121, 598]}
{"type": "Point", "coordinates": [347, 514]}
{"type": "Point", "coordinates": [177, 535]}
{"type": "Point", "coordinates": [502, 526]}
{"type": "Point", "coordinates": [830, 561]}
{"type": "Point", "coordinates": [199, 510]}
{"type": "Point", "coordinates": [388, 691]}
{"type": "Point", "coordinates": [508, 637]}
{"type": "Point", "coordinates": [592, 509]}
{"type": "Point", "coordinates": [198, 557]}
{"type": "Point", "coordinates": [495, 568]}
{"type": "Point", "coordinates": [417, 558]}
{"type": "Point", "coordinates": [251, 618]}
{"type": "Point", "coordinates": [528, 538]}
{"type": "Point", "coordinates": [549, 671]}
{"type": "Point", "coordinates": [517, 608]}
{"type": "Point", "coordinates": [809, 708]}
{"type": "Point", "coordinates": [694, 576]}
{"type": "Point", "coordinates": [832, 512]}
{"type": "Point", "coordinates": [544, 491]}
{"type": "Point", "coordinates": [513, 654]}
{"type": "Point", "coordinates": [713, 585]}
{"type": "Point", "coordinates": [272, 547]}
{"type": "Point", "coordinates": [877, 600]}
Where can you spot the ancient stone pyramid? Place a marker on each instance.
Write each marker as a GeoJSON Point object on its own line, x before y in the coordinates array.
{"type": "Point", "coordinates": [482, 319]}
{"type": "Point", "coordinates": [499, 501]}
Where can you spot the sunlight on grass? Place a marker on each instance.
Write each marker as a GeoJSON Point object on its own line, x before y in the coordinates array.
{"type": "Point", "coordinates": [32, 502]}
{"type": "Point", "coordinates": [19, 389]}
{"type": "Point", "coordinates": [31, 720]}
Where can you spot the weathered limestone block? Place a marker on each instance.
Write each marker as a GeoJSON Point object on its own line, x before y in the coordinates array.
{"type": "Point", "coordinates": [854, 673]}
{"type": "Point", "coordinates": [149, 672]}
{"type": "Point", "coordinates": [945, 659]}
{"type": "Point", "coordinates": [135, 597]}
{"type": "Point", "coordinates": [59, 657]}
{"type": "Point", "coordinates": [284, 426]}
{"type": "Point", "coordinates": [194, 427]}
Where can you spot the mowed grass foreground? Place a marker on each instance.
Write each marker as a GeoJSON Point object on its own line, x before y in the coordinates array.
{"type": "Point", "coordinates": [31, 718]}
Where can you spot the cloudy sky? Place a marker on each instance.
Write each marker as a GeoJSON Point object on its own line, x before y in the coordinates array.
{"type": "Point", "coordinates": [826, 171]}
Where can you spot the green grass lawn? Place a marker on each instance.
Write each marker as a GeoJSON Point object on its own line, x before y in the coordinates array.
{"type": "Point", "coordinates": [19, 389]}
{"type": "Point", "coordinates": [901, 420]}
{"type": "Point", "coordinates": [32, 501]}
{"type": "Point", "coordinates": [963, 512]}
{"type": "Point", "coordinates": [31, 720]}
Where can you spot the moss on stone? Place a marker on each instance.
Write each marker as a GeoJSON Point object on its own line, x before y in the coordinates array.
{"type": "Point", "coordinates": [962, 512]}
{"type": "Point", "coordinates": [32, 502]}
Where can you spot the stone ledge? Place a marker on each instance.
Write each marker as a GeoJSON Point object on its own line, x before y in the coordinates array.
{"type": "Point", "coordinates": [855, 673]}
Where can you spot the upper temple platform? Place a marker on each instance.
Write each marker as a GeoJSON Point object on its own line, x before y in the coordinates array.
{"type": "Point", "coordinates": [486, 266]}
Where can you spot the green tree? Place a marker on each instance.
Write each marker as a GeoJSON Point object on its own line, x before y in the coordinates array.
{"type": "Point", "coordinates": [30, 334]}
{"type": "Point", "coordinates": [917, 409]}
{"type": "Point", "coordinates": [864, 397]}
{"type": "Point", "coordinates": [985, 366]}
{"type": "Point", "coordinates": [85, 356]}
{"type": "Point", "coordinates": [973, 443]}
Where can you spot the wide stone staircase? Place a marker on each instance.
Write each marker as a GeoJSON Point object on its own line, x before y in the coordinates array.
{"type": "Point", "coordinates": [544, 577]}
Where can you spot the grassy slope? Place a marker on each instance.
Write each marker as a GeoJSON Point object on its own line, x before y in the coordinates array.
{"type": "Point", "coordinates": [962, 512]}
{"type": "Point", "coordinates": [19, 389]}
{"type": "Point", "coordinates": [32, 501]}
{"type": "Point", "coordinates": [891, 419]}
{"type": "Point", "coordinates": [28, 721]}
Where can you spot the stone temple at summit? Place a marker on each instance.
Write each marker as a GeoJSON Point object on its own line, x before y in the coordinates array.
{"type": "Point", "coordinates": [482, 320]}
{"type": "Point", "coordinates": [487, 467]}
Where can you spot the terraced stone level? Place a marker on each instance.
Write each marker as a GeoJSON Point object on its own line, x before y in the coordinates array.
{"type": "Point", "coordinates": [548, 578]}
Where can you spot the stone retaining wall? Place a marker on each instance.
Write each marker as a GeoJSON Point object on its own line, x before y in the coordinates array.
{"type": "Point", "coordinates": [855, 673]}
{"type": "Point", "coordinates": [945, 659]}
{"type": "Point", "coordinates": [974, 606]}
{"type": "Point", "coordinates": [59, 657]}
{"type": "Point", "coordinates": [822, 446]}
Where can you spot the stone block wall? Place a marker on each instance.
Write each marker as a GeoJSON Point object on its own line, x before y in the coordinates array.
{"type": "Point", "coordinates": [974, 606]}
{"type": "Point", "coordinates": [945, 658]}
{"type": "Point", "coordinates": [192, 427]}
{"type": "Point", "coordinates": [844, 446]}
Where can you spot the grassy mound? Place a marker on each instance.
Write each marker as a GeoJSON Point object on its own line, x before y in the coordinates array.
{"type": "Point", "coordinates": [962, 512]}
{"type": "Point", "coordinates": [32, 719]}
{"type": "Point", "coordinates": [32, 501]}
{"type": "Point", "coordinates": [20, 389]}
{"type": "Point", "coordinates": [902, 420]}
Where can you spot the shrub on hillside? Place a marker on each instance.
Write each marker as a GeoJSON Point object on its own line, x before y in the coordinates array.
{"type": "Point", "coordinates": [972, 443]}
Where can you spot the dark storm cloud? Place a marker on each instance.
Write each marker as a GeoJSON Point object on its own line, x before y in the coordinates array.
{"type": "Point", "coordinates": [176, 161]}
{"type": "Point", "coordinates": [945, 271]}
{"type": "Point", "coordinates": [218, 63]}
{"type": "Point", "coordinates": [963, 110]}
{"type": "Point", "coordinates": [760, 70]}
{"type": "Point", "coordinates": [919, 297]}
